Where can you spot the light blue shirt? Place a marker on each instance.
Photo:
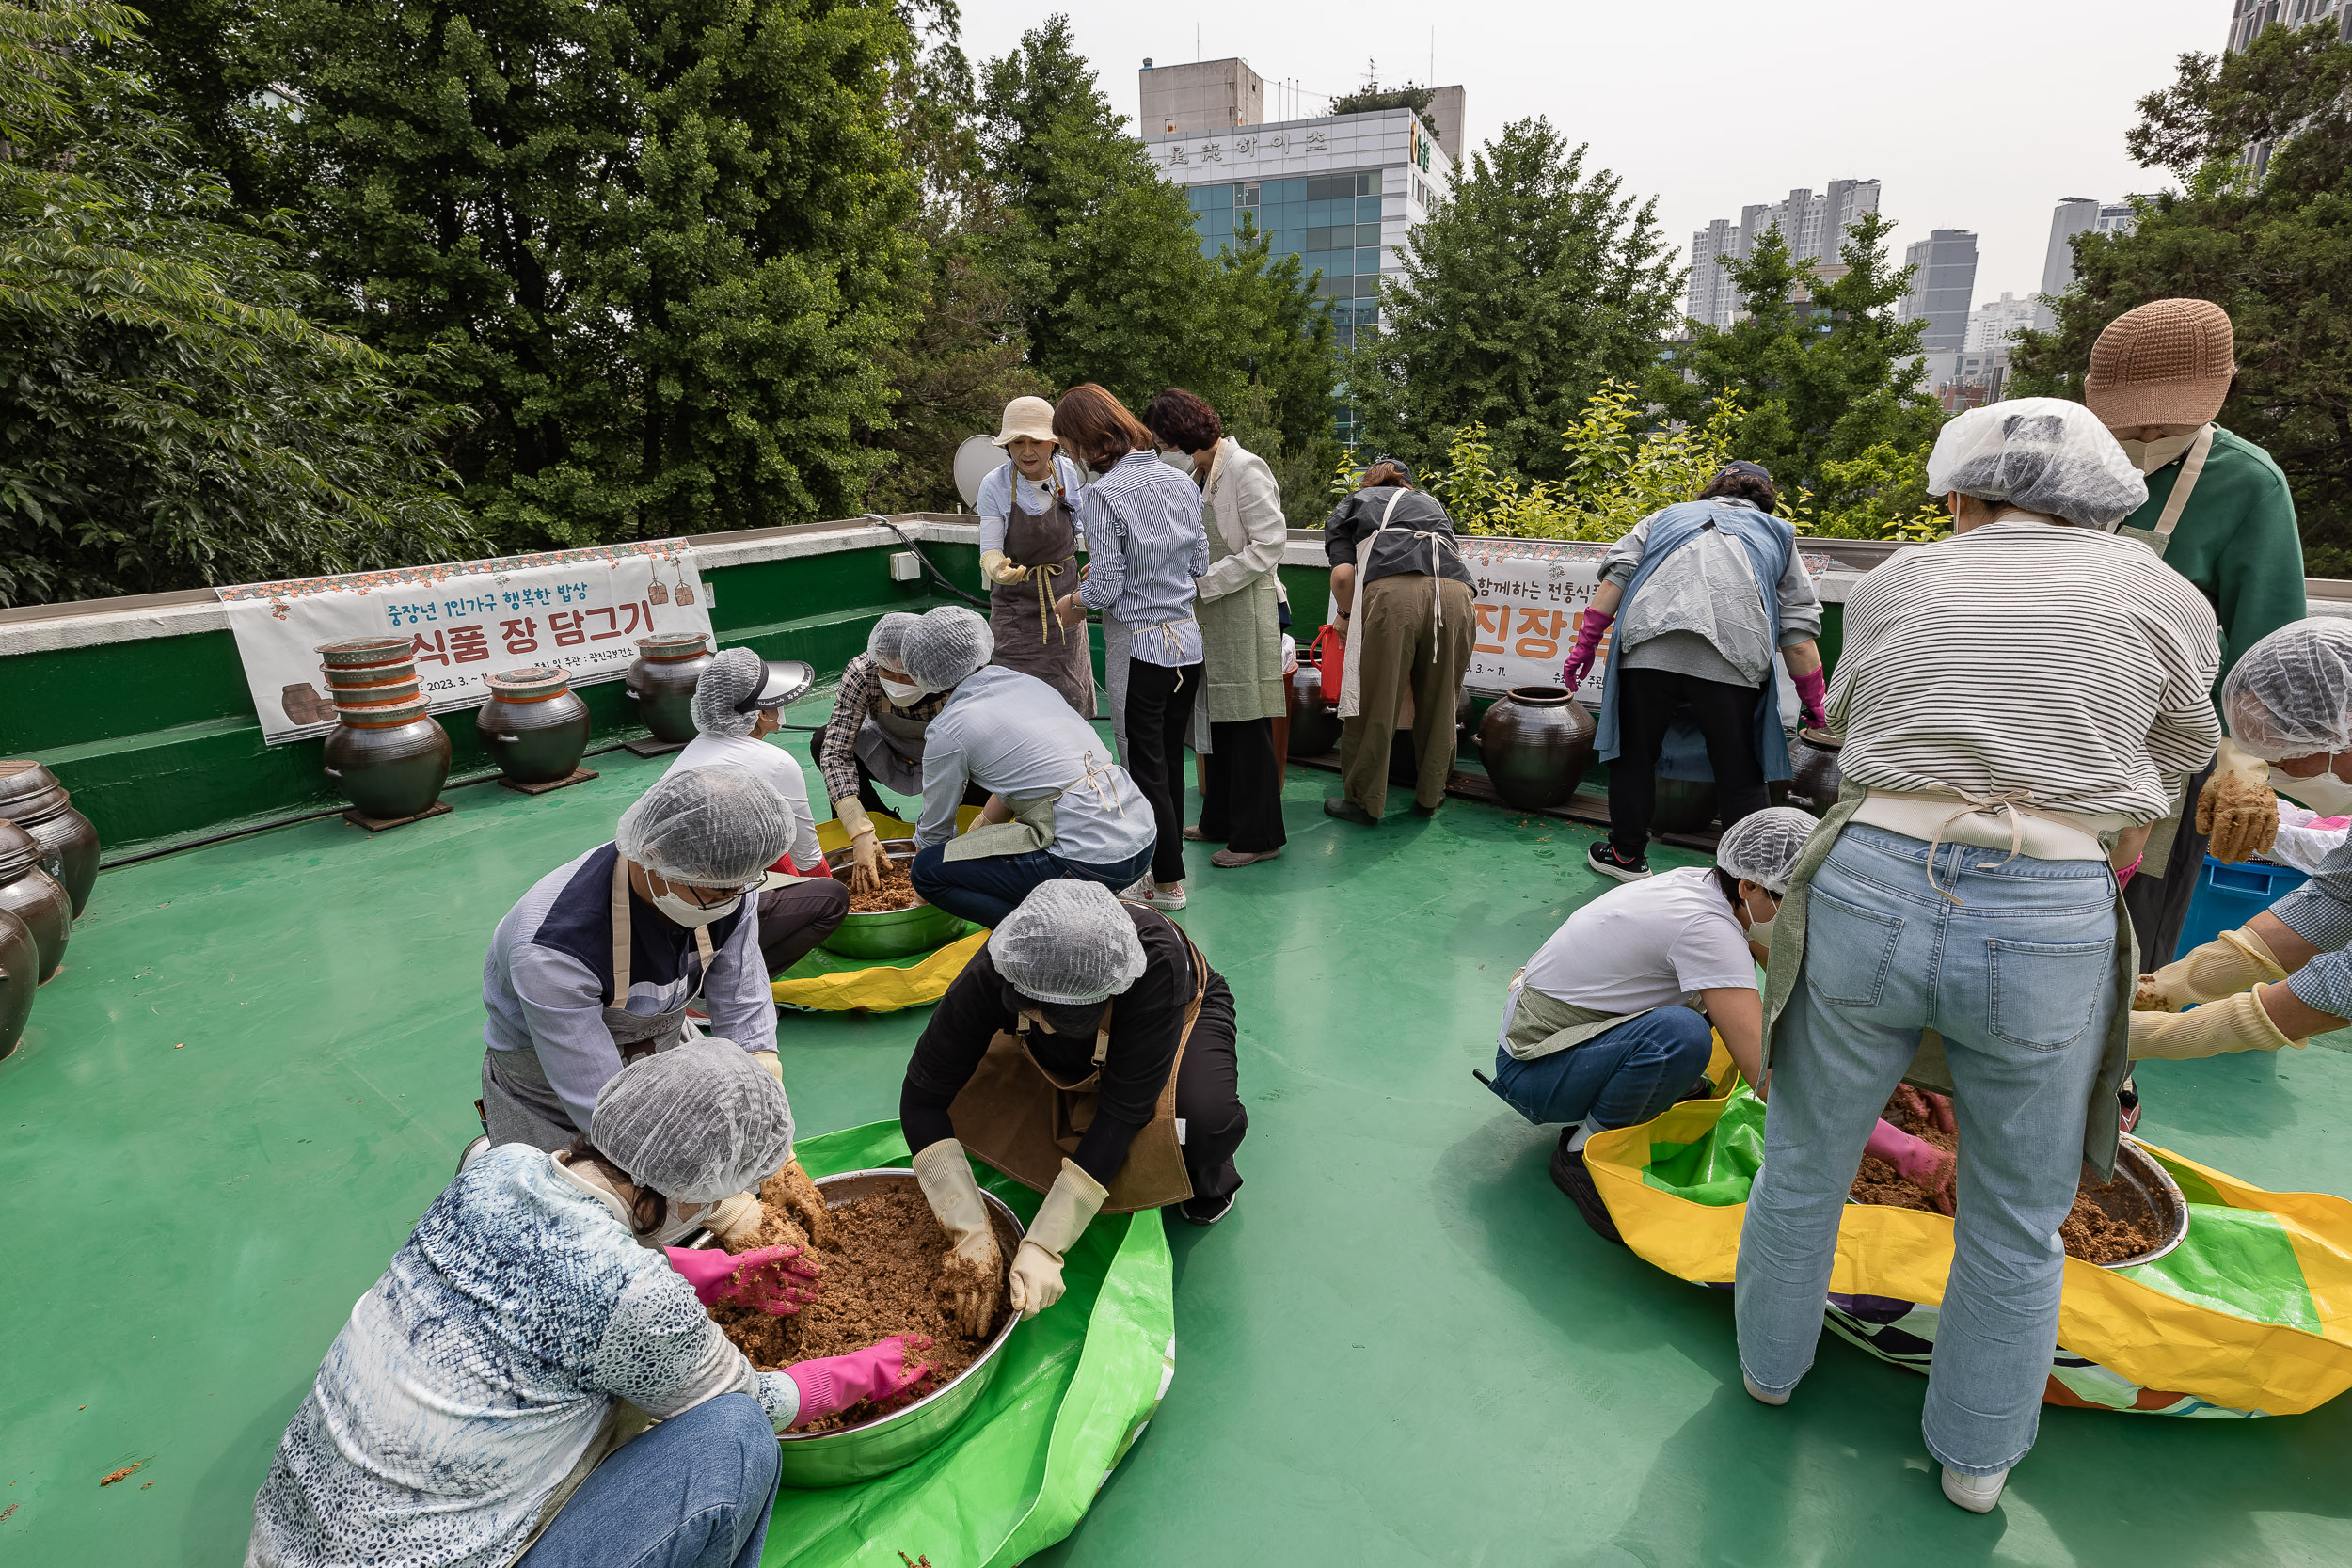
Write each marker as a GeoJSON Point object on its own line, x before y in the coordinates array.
{"type": "Point", "coordinates": [1147, 552]}
{"type": "Point", "coordinates": [2320, 911]}
{"type": "Point", "coordinates": [1003, 488]}
{"type": "Point", "coordinates": [1014, 735]}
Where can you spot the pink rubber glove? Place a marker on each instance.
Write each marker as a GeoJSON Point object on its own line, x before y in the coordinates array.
{"type": "Point", "coordinates": [1918, 1162]}
{"type": "Point", "coordinates": [1813, 698]}
{"type": "Point", "coordinates": [2123, 877]}
{"type": "Point", "coordinates": [831, 1384]}
{"type": "Point", "coordinates": [1590, 630]}
{"type": "Point", "coordinates": [777, 1280]}
{"type": "Point", "coordinates": [1929, 1106]}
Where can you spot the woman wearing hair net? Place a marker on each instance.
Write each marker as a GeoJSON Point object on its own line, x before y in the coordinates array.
{"type": "Point", "coordinates": [2283, 976]}
{"type": "Point", "coordinates": [1082, 1012]}
{"type": "Point", "coordinates": [1058, 807]}
{"type": "Point", "coordinates": [2019, 702]}
{"type": "Point", "coordinates": [737, 706]}
{"type": "Point", "coordinates": [485, 1402]}
{"type": "Point", "coordinates": [876, 736]}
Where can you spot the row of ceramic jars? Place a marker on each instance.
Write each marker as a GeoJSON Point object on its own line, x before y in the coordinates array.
{"type": "Point", "coordinates": [387, 753]}
{"type": "Point", "coordinates": [48, 863]}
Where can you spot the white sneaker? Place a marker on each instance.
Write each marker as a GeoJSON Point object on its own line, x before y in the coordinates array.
{"type": "Point", "coordinates": [1976, 1494]}
{"type": "Point", "coordinates": [1759, 1395]}
{"type": "Point", "coordinates": [1166, 897]}
{"type": "Point", "coordinates": [1139, 890]}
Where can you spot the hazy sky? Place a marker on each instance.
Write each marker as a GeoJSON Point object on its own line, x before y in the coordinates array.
{"type": "Point", "coordinates": [1974, 116]}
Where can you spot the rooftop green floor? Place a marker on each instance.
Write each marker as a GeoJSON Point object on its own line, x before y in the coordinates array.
{"type": "Point", "coordinates": [1403, 1347]}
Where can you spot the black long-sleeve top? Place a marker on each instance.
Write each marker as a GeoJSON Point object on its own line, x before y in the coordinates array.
{"type": "Point", "coordinates": [1147, 1020]}
{"type": "Point", "coordinates": [1352, 523]}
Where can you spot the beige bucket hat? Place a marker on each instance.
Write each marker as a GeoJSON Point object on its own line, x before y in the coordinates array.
{"type": "Point", "coordinates": [2169, 362]}
{"type": "Point", "coordinates": [1030, 417]}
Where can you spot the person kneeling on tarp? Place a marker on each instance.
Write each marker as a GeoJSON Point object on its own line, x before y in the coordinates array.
{"type": "Point", "coordinates": [1086, 1052]}
{"type": "Point", "coordinates": [2284, 976]}
{"type": "Point", "coordinates": [485, 1402]}
{"type": "Point", "coordinates": [1061, 807]}
{"type": "Point", "coordinates": [1613, 1020]}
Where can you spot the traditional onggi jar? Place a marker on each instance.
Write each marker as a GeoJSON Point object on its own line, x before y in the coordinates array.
{"type": "Point", "coordinates": [31, 797]}
{"type": "Point", "coordinates": [35, 897]}
{"type": "Point", "coordinates": [20, 962]}
{"type": "Point", "coordinates": [389, 761]}
{"type": "Point", "coordinates": [1314, 722]}
{"type": "Point", "coordinates": [534, 726]}
{"type": "Point", "coordinates": [662, 682]}
{"type": "Point", "coordinates": [1536, 742]}
{"type": "Point", "coordinates": [1814, 777]}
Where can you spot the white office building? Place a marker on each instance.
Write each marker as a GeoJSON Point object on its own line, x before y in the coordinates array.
{"type": "Point", "coordinates": [1995, 323]}
{"type": "Point", "coordinates": [2074, 214]}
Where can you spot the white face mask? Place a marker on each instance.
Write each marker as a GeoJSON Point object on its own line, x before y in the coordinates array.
{"type": "Point", "coordinates": [2323, 791]}
{"type": "Point", "coordinates": [686, 912]}
{"type": "Point", "coordinates": [2148, 456]}
{"type": "Point", "coordinates": [904, 694]}
{"type": "Point", "coordinates": [1760, 931]}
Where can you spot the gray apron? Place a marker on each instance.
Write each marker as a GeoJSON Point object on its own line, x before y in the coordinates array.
{"type": "Point", "coordinates": [1031, 637]}
{"type": "Point", "coordinates": [891, 746]}
{"type": "Point", "coordinates": [520, 1106]}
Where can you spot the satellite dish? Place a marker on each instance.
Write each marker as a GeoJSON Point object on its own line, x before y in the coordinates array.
{"type": "Point", "coordinates": [979, 457]}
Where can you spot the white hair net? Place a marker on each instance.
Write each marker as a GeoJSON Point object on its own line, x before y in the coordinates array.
{"type": "Point", "coordinates": [1069, 942]}
{"type": "Point", "coordinates": [726, 682]}
{"type": "Point", "coordinates": [698, 1122]}
{"type": "Point", "coordinates": [887, 641]}
{"type": "Point", "coordinates": [1763, 846]}
{"type": "Point", "coordinates": [945, 645]}
{"type": "Point", "coordinates": [719, 826]}
{"type": "Point", "coordinates": [2290, 695]}
{"type": "Point", "coordinates": [2045, 455]}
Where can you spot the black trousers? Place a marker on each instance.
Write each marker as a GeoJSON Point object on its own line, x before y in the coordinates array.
{"type": "Point", "coordinates": [2157, 898]}
{"type": "Point", "coordinates": [1241, 805]}
{"type": "Point", "coordinates": [796, 917]}
{"type": "Point", "coordinates": [1208, 1098]}
{"type": "Point", "coordinates": [1159, 716]}
{"type": "Point", "coordinates": [1726, 716]}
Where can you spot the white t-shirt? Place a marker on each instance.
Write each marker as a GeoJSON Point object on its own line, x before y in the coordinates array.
{"type": "Point", "coordinates": [771, 762]}
{"type": "Point", "coordinates": [1653, 943]}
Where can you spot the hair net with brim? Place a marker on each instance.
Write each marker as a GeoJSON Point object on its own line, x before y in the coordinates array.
{"type": "Point", "coordinates": [733, 675]}
{"type": "Point", "coordinates": [943, 646]}
{"type": "Point", "coordinates": [2044, 454]}
{"type": "Point", "coordinates": [1762, 847]}
{"type": "Point", "coordinates": [1069, 942]}
{"type": "Point", "coordinates": [698, 1122]}
{"type": "Point", "coordinates": [887, 641]}
{"type": "Point", "coordinates": [2290, 695]}
{"type": "Point", "coordinates": [719, 826]}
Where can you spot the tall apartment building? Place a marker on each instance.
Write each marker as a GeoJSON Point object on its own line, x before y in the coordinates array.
{"type": "Point", "coordinates": [1995, 324]}
{"type": "Point", "coordinates": [2248, 18]}
{"type": "Point", "coordinates": [2074, 214]}
{"type": "Point", "coordinates": [1943, 281]}
{"type": "Point", "coordinates": [1813, 226]}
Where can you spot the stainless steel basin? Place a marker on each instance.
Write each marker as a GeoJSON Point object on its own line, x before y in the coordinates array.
{"type": "Point", "coordinates": [889, 933]}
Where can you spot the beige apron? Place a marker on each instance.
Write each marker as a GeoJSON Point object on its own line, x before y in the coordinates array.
{"type": "Point", "coordinates": [1351, 693]}
{"type": "Point", "coordinates": [2158, 850]}
{"type": "Point", "coordinates": [1032, 825]}
{"type": "Point", "coordinates": [1021, 1119]}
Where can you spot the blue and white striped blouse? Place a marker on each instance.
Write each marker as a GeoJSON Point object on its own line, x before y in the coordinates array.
{"type": "Point", "coordinates": [1149, 550]}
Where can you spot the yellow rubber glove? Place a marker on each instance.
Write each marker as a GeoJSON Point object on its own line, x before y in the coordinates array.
{"type": "Point", "coordinates": [774, 1063]}
{"type": "Point", "coordinates": [997, 567]}
{"type": "Point", "coordinates": [945, 1178]}
{"type": "Point", "coordinates": [2236, 807]}
{"type": "Point", "coordinates": [2237, 1022]}
{"type": "Point", "coordinates": [791, 1191]}
{"type": "Point", "coordinates": [865, 849]}
{"type": "Point", "coordinates": [735, 1218]}
{"type": "Point", "coordinates": [2227, 964]}
{"type": "Point", "coordinates": [1071, 1204]}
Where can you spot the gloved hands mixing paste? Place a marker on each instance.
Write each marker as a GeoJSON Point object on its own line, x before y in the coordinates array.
{"type": "Point", "coordinates": [778, 1280]}
{"type": "Point", "coordinates": [1071, 1204]}
{"type": "Point", "coordinates": [2229, 963]}
{"type": "Point", "coordinates": [945, 1178]}
{"type": "Point", "coordinates": [831, 1384]}
{"type": "Point", "coordinates": [1918, 1162]}
{"type": "Point", "coordinates": [2236, 807]}
{"type": "Point", "coordinates": [866, 870]}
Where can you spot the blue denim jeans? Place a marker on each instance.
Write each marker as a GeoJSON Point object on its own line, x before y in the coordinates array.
{"type": "Point", "coordinates": [1617, 1078]}
{"type": "Point", "coordinates": [986, 890]}
{"type": "Point", "coordinates": [695, 1491]}
{"type": "Point", "coordinates": [2017, 977]}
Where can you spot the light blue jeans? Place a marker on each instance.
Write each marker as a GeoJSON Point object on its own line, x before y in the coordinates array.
{"type": "Point", "coordinates": [693, 1492]}
{"type": "Point", "coordinates": [2017, 978]}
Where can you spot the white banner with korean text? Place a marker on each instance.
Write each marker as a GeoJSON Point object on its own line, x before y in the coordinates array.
{"type": "Point", "coordinates": [580, 610]}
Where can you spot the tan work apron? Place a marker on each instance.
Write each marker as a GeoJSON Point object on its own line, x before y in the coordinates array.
{"type": "Point", "coordinates": [1031, 637]}
{"type": "Point", "coordinates": [1351, 690]}
{"type": "Point", "coordinates": [1021, 1119]}
{"type": "Point", "coordinates": [2158, 852]}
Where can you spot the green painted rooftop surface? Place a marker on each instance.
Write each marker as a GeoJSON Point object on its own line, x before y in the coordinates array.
{"type": "Point", "coordinates": [1403, 1347]}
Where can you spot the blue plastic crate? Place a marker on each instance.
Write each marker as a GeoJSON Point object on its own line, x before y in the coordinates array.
{"type": "Point", "coordinates": [2228, 897]}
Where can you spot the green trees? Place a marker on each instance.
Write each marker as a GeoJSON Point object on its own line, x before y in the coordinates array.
{"type": "Point", "coordinates": [2270, 241]}
{"type": "Point", "coordinates": [168, 417]}
{"type": "Point", "coordinates": [1536, 281]}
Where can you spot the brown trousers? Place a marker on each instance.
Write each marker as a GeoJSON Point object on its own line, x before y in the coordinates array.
{"type": "Point", "coordinates": [1394, 651]}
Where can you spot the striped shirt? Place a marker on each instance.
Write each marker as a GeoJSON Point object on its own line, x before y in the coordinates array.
{"type": "Point", "coordinates": [2320, 911]}
{"type": "Point", "coordinates": [1148, 549]}
{"type": "Point", "coordinates": [2024, 656]}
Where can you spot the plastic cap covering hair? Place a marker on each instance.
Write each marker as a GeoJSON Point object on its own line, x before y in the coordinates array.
{"type": "Point", "coordinates": [1069, 942]}
{"type": "Point", "coordinates": [698, 1122]}
{"type": "Point", "coordinates": [887, 641]}
{"type": "Point", "coordinates": [719, 826]}
{"type": "Point", "coordinates": [943, 646]}
{"type": "Point", "coordinates": [2045, 455]}
{"type": "Point", "coordinates": [2290, 695]}
{"type": "Point", "coordinates": [734, 674]}
{"type": "Point", "coordinates": [1763, 846]}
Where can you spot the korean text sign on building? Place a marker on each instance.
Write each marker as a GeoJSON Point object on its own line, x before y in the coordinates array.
{"type": "Point", "coordinates": [578, 611]}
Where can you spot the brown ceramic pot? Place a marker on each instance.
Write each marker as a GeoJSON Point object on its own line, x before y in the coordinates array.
{"type": "Point", "coordinates": [31, 797]}
{"type": "Point", "coordinates": [662, 682]}
{"type": "Point", "coordinates": [1814, 777]}
{"type": "Point", "coordinates": [362, 652]}
{"type": "Point", "coordinates": [1684, 806]}
{"type": "Point", "coordinates": [534, 726]}
{"type": "Point", "coordinates": [20, 960]}
{"type": "Point", "coordinates": [391, 765]}
{"type": "Point", "coordinates": [35, 897]}
{"type": "Point", "coordinates": [1314, 720]}
{"type": "Point", "coordinates": [1536, 742]}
